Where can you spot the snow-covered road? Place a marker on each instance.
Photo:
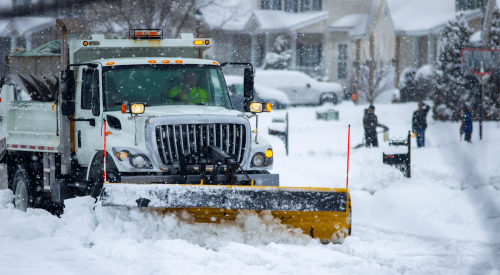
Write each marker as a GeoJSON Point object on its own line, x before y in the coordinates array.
{"type": "Point", "coordinates": [444, 220]}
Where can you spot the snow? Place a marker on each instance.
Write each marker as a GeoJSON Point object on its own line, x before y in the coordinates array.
{"type": "Point", "coordinates": [476, 37]}
{"type": "Point", "coordinates": [5, 6]}
{"type": "Point", "coordinates": [426, 71]}
{"type": "Point", "coordinates": [232, 15]}
{"type": "Point", "coordinates": [443, 220]}
{"type": "Point", "coordinates": [351, 21]}
{"type": "Point", "coordinates": [417, 16]}
{"type": "Point", "coordinates": [274, 20]}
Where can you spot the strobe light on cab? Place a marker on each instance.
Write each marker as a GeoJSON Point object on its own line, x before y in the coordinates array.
{"type": "Point", "coordinates": [153, 34]}
{"type": "Point", "coordinates": [137, 108]}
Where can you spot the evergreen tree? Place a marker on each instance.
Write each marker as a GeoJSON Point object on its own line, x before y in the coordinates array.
{"type": "Point", "coordinates": [280, 57]}
{"type": "Point", "coordinates": [494, 42]}
{"type": "Point", "coordinates": [453, 88]}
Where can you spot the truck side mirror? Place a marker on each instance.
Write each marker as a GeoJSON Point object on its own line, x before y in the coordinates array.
{"type": "Point", "coordinates": [67, 90]}
{"type": "Point", "coordinates": [248, 83]}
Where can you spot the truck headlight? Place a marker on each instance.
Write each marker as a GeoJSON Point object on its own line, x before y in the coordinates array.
{"type": "Point", "coordinates": [137, 108]}
{"type": "Point", "coordinates": [255, 107]}
{"type": "Point", "coordinates": [258, 159]}
{"type": "Point", "coordinates": [139, 161]}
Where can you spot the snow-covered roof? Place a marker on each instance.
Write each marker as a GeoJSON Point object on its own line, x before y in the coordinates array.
{"type": "Point", "coordinates": [422, 16]}
{"type": "Point", "coordinates": [349, 22]}
{"type": "Point", "coordinates": [279, 20]}
{"type": "Point", "coordinates": [23, 25]}
{"type": "Point", "coordinates": [228, 14]}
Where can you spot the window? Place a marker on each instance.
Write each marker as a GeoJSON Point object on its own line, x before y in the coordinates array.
{"type": "Point", "coordinates": [342, 61]}
{"type": "Point", "coordinates": [163, 85]}
{"type": "Point", "coordinates": [291, 5]}
{"type": "Point", "coordinates": [96, 102]}
{"type": "Point", "coordinates": [310, 55]}
{"type": "Point", "coordinates": [469, 4]}
{"type": "Point", "coordinates": [305, 5]}
{"type": "Point", "coordinates": [317, 5]}
{"type": "Point", "coordinates": [86, 102]}
{"type": "Point", "coordinates": [276, 4]}
{"type": "Point", "coordinates": [265, 4]}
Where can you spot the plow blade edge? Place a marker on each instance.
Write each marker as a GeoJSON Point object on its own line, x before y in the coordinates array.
{"type": "Point", "coordinates": [323, 213]}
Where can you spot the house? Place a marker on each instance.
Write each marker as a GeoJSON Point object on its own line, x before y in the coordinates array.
{"type": "Point", "coordinates": [331, 38]}
{"type": "Point", "coordinates": [32, 23]}
{"type": "Point", "coordinates": [302, 22]}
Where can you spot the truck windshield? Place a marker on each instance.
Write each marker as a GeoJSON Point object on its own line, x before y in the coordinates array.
{"type": "Point", "coordinates": [159, 85]}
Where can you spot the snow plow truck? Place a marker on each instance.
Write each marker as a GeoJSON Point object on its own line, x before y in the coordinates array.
{"type": "Point", "coordinates": [147, 122]}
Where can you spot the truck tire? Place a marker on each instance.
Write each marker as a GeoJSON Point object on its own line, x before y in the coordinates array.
{"type": "Point", "coordinates": [23, 190]}
{"type": "Point", "coordinates": [96, 173]}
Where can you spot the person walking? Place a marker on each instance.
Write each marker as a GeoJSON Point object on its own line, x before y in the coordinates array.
{"type": "Point", "coordinates": [466, 127]}
{"type": "Point", "coordinates": [419, 123]}
{"type": "Point", "coordinates": [370, 123]}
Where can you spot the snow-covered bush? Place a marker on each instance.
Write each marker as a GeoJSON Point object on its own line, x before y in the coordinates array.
{"type": "Point", "coordinates": [425, 79]}
{"type": "Point", "coordinates": [407, 84]}
{"type": "Point", "coordinates": [494, 39]}
{"type": "Point", "coordinates": [370, 87]}
{"type": "Point", "coordinates": [453, 89]}
{"type": "Point", "coordinates": [280, 57]}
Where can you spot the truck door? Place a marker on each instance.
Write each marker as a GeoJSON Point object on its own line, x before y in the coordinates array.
{"type": "Point", "coordinates": [88, 106]}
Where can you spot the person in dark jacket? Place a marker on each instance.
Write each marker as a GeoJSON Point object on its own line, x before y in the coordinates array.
{"type": "Point", "coordinates": [466, 127]}
{"type": "Point", "coordinates": [370, 122]}
{"type": "Point", "coordinates": [419, 123]}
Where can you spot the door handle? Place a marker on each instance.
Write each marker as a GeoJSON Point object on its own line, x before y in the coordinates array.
{"type": "Point", "coordinates": [90, 120]}
{"type": "Point", "coordinates": [79, 139]}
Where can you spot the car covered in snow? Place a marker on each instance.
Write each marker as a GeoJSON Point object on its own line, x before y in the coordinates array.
{"type": "Point", "coordinates": [300, 88]}
{"type": "Point", "coordinates": [262, 93]}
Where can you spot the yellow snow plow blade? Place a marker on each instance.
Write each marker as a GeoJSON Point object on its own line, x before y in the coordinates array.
{"type": "Point", "coordinates": [323, 213]}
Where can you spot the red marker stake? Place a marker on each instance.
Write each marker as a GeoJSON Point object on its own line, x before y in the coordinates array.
{"type": "Point", "coordinates": [348, 141]}
{"type": "Point", "coordinates": [105, 150]}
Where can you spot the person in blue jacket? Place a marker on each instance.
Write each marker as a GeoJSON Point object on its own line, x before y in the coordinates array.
{"type": "Point", "coordinates": [466, 126]}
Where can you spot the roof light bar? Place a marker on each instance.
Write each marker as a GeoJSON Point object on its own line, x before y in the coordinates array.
{"type": "Point", "coordinates": [146, 34]}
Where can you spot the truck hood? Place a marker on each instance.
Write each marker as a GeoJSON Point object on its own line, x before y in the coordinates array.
{"type": "Point", "coordinates": [129, 125]}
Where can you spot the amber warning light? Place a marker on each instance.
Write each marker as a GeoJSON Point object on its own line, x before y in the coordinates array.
{"type": "Point", "coordinates": [146, 34]}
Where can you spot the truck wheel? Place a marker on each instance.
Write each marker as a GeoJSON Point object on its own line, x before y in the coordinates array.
{"type": "Point", "coordinates": [23, 191]}
{"type": "Point", "coordinates": [96, 174]}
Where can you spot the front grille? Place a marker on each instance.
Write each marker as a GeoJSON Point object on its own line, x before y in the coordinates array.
{"type": "Point", "coordinates": [184, 139]}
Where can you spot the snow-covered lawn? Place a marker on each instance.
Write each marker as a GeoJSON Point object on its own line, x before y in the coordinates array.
{"type": "Point", "coordinates": [444, 220]}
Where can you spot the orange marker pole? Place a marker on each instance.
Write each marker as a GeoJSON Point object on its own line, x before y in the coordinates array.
{"type": "Point", "coordinates": [348, 141]}
{"type": "Point", "coordinates": [105, 134]}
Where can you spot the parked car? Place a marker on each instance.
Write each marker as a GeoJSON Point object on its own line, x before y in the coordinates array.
{"type": "Point", "coordinates": [300, 88]}
{"type": "Point", "coordinates": [262, 93]}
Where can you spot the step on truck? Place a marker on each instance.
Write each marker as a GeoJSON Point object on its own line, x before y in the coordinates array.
{"type": "Point", "coordinates": [147, 122]}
